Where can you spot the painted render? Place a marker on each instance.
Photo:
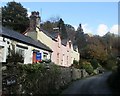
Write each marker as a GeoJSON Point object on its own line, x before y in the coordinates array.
{"type": "Point", "coordinates": [23, 45]}
{"type": "Point", "coordinates": [62, 55]}
{"type": "Point", "coordinates": [27, 53]}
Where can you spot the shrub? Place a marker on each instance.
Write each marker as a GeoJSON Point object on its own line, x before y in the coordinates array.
{"type": "Point", "coordinates": [38, 78]}
{"type": "Point", "coordinates": [11, 71]}
{"type": "Point", "coordinates": [14, 57]}
{"type": "Point", "coordinates": [75, 64]}
{"type": "Point", "coordinates": [95, 63]}
{"type": "Point", "coordinates": [88, 67]}
{"type": "Point", "coordinates": [111, 63]}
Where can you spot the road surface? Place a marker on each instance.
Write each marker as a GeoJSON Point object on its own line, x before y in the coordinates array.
{"type": "Point", "coordinates": [91, 86]}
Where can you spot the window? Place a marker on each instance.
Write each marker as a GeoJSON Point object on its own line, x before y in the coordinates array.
{"type": "Point", "coordinates": [21, 52]}
{"type": "Point", "coordinates": [67, 60]}
{"type": "Point", "coordinates": [59, 43]}
{"type": "Point", "coordinates": [63, 59]}
{"type": "Point", "coordinates": [45, 55]}
{"type": "Point", "coordinates": [70, 45]}
{"type": "Point", "coordinates": [57, 58]}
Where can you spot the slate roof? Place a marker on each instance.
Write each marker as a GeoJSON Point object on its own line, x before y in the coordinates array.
{"type": "Point", "coordinates": [5, 32]}
{"type": "Point", "coordinates": [64, 42]}
{"type": "Point", "coordinates": [54, 35]}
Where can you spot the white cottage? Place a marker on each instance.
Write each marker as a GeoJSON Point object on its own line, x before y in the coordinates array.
{"type": "Point", "coordinates": [32, 50]}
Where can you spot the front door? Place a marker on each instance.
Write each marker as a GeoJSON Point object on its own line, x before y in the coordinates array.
{"type": "Point", "coordinates": [34, 57]}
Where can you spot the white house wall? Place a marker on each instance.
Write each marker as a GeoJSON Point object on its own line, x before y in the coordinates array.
{"type": "Point", "coordinates": [42, 51]}
{"type": "Point", "coordinates": [74, 56]}
{"type": "Point", "coordinates": [2, 52]}
{"type": "Point", "coordinates": [27, 53]}
{"type": "Point", "coordinates": [4, 44]}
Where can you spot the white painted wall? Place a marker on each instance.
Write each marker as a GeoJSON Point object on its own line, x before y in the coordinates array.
{"type": "Point", "coordinates": [28, 53]}
{"type": "Point", "coordinates": [28, 56]}
{"type": "Point", "coordinates": [4, 50]}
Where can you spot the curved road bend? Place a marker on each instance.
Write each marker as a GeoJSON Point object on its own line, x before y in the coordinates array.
{"type": "Point", "coordinates": [90, 86]}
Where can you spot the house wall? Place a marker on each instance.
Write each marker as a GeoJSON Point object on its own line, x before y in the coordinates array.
{"type": "Point", "coordinates": [28, 55]}
{"type": "Point", "coordinates": [55, 51]}
{"type": "Point", "coordinates": [39, 35]}
{"type": "Point", "coordinates": [51, 44]}
{"type": "Point", "coordinates": [13, 46]}
{"type": "Point", "coordinates": [26, 50]}
{"type": "Point", "coordinates": [43, 52]}
{"type": "Point", "coordinates": [3, 50]}
{"type": "Point", "coordinates": [61, 55]}
{"type": "Point", "coordinates": [59, 51]}
{"type": "Point", "coordinates": [68, 54]}
{"type": "Point", "coordinates": [32, 34]}
{"type": "Point", "coordinates": [44, 38]}
{"type": "Point", "coordinates": [74, 54]}
{"type": "Point", "coordinates": [64, 55]}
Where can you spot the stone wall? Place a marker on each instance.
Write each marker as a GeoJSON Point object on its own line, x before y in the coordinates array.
{"type": "Point", "coordinates": [43, 79]}
{"type": "Point", "coordinates": [69, 74]}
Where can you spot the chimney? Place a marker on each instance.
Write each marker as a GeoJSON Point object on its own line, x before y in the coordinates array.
{"type": "Point", "coordinates": [80, 28]}
{"type": "Point", "coordinates": [34, 20]}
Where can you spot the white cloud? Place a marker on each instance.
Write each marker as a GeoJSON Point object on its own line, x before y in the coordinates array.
{"type": "Point", "coordinates": [114, 29]}
{"type": "Point", "coordinates": [28, 9]}
{"type": "Point", "coordinates": [86, 28]}
{"type": "Point", "coordinates": [75, 27]}
{"type": "Point", "coordinates": [29, 13]}
{"type": "Point", "coordinates": [102, 29]}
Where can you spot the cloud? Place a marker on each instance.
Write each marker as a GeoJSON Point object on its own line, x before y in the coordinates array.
{"type": "Point", "coordinates": [114, 29]}
{"type": "Point", "coordinates": [29, 13]}
{"type": "Point", "coordinates": [75, 27]}
{"type": "Point", "coordinates": [102, 29]}
{"type": "Point", "coordinates": [28, 9]}
{"type": "Point", "coordinates": [86, 28]}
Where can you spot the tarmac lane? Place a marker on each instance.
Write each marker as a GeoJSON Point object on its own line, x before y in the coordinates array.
{"type": "Point", "coordinates": [92, 86]}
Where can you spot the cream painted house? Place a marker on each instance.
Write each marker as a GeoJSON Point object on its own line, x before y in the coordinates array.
{"type": "Point", "coordinates": [63, 52]}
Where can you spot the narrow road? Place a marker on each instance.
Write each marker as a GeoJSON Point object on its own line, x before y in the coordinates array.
{"type": "Point", "coordinates": [91, 86]}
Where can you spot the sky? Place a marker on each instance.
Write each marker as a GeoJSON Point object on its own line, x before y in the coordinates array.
{"type": "Point", "coordinates": [96, 18]}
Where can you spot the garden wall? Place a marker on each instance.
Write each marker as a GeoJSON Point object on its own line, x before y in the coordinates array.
{"type": "Point", "coordinates": [43, 78]}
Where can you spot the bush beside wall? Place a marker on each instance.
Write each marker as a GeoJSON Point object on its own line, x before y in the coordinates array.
{"type": "Point", "coordinates": [33, 79]}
